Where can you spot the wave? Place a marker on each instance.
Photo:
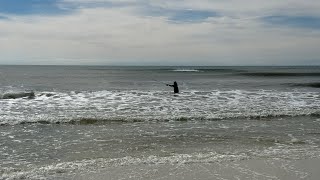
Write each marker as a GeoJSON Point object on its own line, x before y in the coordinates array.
{"type": "Point", "coordinates": [136, 106]}
{"type": "Point", "coordinates": [112, 120]}
{"type": "Point", "coordinates": [278, 74]}
{"type": "Point", "coordinates": [16, 95]}
{"type": "Point", "coordinates": [186, 70]}
{"type": "Point", "coordinates": [313, 85]}
{"type": "Point", "coordinates": [222, 70]}
{"type": "Point", "coordinates": [216, 70]}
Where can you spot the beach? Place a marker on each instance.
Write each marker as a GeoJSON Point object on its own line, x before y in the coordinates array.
{"type": "Point", "coordinates": [101, 122]}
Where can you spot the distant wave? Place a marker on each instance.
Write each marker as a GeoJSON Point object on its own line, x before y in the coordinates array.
{"type": "Point", "coordinates": [278, 74]}
{"type": "Point", "coordinates": [186, 70]}
{"type": "Point", "coordinates": [220, 70]}
{"type": "Point", "coordinates": [314, 85]}
{"type": "Point", "coordinates": [224, 70]}
{"type": "Point", "coordinates": [17, 95]}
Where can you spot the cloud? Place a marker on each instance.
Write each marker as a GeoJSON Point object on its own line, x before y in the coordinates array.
{"type": "Point", "coordinates": [294, 21]}
{"type": "Point", "coordinates": [145, 8]}
{"type": "Point", "coordinates": [3, 17]}
{"type": "Point", "coordinates": [181, 15]}
{"type": "Point", "coordinates": [154, 32]}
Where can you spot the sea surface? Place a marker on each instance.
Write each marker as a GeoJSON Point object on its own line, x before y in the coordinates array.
{"type": "Point", "coordinates": [88, 118]}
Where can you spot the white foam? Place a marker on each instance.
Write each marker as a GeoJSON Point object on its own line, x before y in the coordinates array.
{"type": "Point", "coordinates": [156, 105]}
{"type": "Point", "coordinates": [69, 168]}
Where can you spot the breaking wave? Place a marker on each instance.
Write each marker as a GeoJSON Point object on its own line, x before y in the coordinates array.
{"type": "Point", "coordinates": [15, 95]}
{"type": "Point", "coordinates": [136, 106]}
{"type": "Point", "coordinates": [101, 121]}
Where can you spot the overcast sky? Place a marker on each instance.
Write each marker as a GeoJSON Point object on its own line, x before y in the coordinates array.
{"type": "Point", "coordinates": [160, 32]}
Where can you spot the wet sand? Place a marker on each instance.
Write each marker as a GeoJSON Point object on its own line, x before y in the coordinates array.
{"type": "Point", "coordinates": [245, 169]}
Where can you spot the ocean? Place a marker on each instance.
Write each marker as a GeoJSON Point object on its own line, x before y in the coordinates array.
{"type": "Point", "coordinates": [86, 120]}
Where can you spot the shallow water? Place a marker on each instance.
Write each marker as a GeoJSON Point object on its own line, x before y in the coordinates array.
{"type": "Point", "coordinates": [75, 148]}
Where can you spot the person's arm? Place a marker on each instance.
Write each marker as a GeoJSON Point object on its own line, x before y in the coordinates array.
{"type": "Point", "coordinates": [170, 85]}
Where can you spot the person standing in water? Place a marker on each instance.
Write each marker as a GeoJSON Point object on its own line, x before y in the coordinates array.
{"type": "Point", "coordinates": [175, 87]}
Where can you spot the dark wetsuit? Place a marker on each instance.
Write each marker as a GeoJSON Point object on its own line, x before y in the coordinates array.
{"type": "Point", "coordinates": [175, 87]}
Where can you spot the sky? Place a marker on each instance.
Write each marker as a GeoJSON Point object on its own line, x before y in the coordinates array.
{"type": "Point", "coordinates": [160, 32]}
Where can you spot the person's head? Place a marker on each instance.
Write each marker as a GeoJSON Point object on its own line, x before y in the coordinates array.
{"type": "Point", "coordinates": [175, 83]}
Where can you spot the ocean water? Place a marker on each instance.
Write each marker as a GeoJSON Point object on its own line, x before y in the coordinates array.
{"type": "Point", "coordinates": [87, 118]}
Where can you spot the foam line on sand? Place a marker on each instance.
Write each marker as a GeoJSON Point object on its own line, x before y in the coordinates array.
{"type": "Point", "coordinates": [245, 169]}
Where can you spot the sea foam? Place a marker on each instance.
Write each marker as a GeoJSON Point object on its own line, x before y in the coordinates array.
{"type": "Point", "coordinates": [62, 107]}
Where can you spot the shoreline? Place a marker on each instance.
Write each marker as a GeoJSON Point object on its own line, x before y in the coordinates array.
{"type": "Point", "coordinates": [244, 169]}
